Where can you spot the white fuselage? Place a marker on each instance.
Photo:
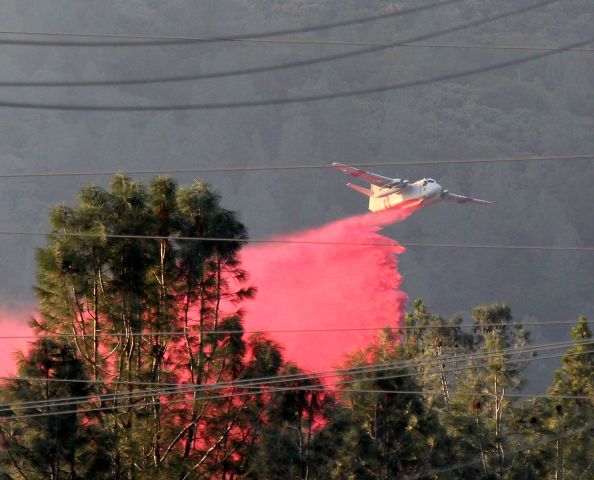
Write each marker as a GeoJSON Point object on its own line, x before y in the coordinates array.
{"type": "Point", "coordinates": [425, 191]}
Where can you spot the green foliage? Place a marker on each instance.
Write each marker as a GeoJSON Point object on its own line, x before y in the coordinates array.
{"type": "Point", "coordinates": [388, 434]}
{"type": "Point", "coordinates": [43, 438]}
{"type": "Point", "coordinates": [137, 288]}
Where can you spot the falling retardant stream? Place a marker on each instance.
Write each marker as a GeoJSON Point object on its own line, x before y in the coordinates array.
{"type": "Point", "coordinates": [13, 324]}
{"type": "Point", "coordinates": [327, 284]}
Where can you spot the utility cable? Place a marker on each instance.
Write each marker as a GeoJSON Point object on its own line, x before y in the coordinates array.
{"type": "Point", "coordinates": [324, 387]}
{"type": "Point", "coordinates": [194, 333]}
{"type": "Point", "coordinates": [244, 394]}
{"type": "Point", "coordinates": [186, 388]}
{"type": "Point", "coordinates": [291, 167]}
{"type": "Point", "coordinates": [69, 401]}
{"type": "Point", "coordinates": [377, 43]}
{"type": "Point", "coordinates": [125, 40]}
{"type": "Point", "coordinates": [293, 64]}
{"type": "Point", "coordinates": [287, 100]}
{"type": "Point", "coordinates": [552, 248]}
{"type": "Point", "coordinates": [305, 376]}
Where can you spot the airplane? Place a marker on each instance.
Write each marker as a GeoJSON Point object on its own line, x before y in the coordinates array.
{"type": "Point", "coordinates": [385, 193]}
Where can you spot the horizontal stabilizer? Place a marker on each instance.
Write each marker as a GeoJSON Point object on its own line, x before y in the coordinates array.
{"type": "Point", "coordinates": [359, 189]}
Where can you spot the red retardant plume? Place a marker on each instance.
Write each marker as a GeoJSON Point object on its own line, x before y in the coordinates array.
{"type": "Point", "coordinates": [12, 325]}
{"type": "Point", "coordinates": [327, 286]}
{"type": "Point", "coordinates": [304, 286]}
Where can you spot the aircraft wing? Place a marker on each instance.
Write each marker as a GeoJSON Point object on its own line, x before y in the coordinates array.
{"type": "Point", "coordinates": [372, 178]}
{"type": "Point", "coordinates": [452, 197]}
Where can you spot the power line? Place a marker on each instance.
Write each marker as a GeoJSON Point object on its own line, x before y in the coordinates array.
{"type": "Point", "coordinates": [274, 390]}
{"type": "Point", "coordinates": [324, 387]}
{"type": "Point", "coordinates": [551, 248]}
{"type": "Point", "coordinates": [373, 391]}
{"type": "Point", "coordinates": [144, 395]}
{"type": "Point", "coordinates": [454, 393]}
{"type": "Point", "coordinates": [184, 389]}
{"type": "Point", "coordinates": [345, 43]}
{"type": "Point", "coordinates": [285, 100]}
{"type": "Point", "coordinates": [291, 167]}
{"type": "Point", "coordinates": [305, 376]}
{"type": "Point", "coordinates": [190, 333]}
{"type": "Point", "coordinates": [309, 62]}
{"type": "Point", "coordinates": [267, 381]}
{"type": "Point", "coordinates": [289, 65]}
{"type": "Point", "coordinates": [125, 40]}
{"type": "Point", "coordinates": [251, 383]}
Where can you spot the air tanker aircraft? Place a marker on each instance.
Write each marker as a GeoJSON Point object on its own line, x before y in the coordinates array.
{"type": "Point", "coordinates": [387, 192]}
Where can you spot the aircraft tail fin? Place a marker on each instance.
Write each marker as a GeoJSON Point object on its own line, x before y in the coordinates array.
{"type": "Point", "coordinates": [362, 190]}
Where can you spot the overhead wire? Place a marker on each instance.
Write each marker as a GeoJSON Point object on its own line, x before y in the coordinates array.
{"type": "Point", "coordinates": [394, 244]}
{"type": "Point", "coordinates": [286, 100]}
{"type": "Point", "coordinates": [302, 376]}
{"type": "Point", "coordinates": [187, 388]}
{"type": "Point", "coordinates": [377, 43]}
{"type": "Point", "coordinates": [291, 167]}
{"type": "Point", "coordinates": [375, 391]}
{"type": "Point", "coordinates": [288, 65]}
{"type": "Point", "coordinates": [329, 373]}
{"type": "Point", "coordinates": [176, 388]}
{"type": "Point", "coordinates": [274, 390]}
{"type": "Point", "coordinates": [127, 40]}
{"type": "Point", "coordinates": [194, 333]}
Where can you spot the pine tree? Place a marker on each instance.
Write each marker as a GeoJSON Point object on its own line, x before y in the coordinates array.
{"type": "Point", "coordinates": [432, 342]}
{"type": "Point", "coordinates": [574, 456]}
{"type": "Point", "coordinates": [120, 295]}
{"type": "Point", "coordinates": [291, 444]}
{"type": "Point", "coordinates": [480, 410]}
{"type": "Point", "coordinates": [384, 434]}
{"type": "Point", "coordinates": [41, 434]}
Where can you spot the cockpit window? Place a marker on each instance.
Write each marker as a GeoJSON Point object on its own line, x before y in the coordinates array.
{"type": "Point", "coordinates": [431, 180]}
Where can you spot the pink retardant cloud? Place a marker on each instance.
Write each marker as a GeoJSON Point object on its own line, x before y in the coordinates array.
{"type": "Point", "coordinates": [327, 285]}
{"type": "Point", "coordinates": [13, 324]}
{"type": "Point", "coordinates": [324, 285]}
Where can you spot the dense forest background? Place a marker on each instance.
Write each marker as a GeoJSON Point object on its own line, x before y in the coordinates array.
{"type": "Point", "coordinates": [543, 107]}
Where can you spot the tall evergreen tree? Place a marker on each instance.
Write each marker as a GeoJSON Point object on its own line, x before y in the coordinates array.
{"type": "Point", "coordinates": [570, 457]}
{"type": "Point", "coordinates": [120, 295]}
{"type": "Point", "coordinates": [432, 343]}
{"type": "Point", "coordinates": [42, 435]}
{"type": "Point", "coordinates": [293, 441]}
{"type": "Point", "coordinates": [480, 410]}
{"type": "Point", "coordinates": [384, 434]}
{"type": "Point", "coordinates": [574, 456]}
